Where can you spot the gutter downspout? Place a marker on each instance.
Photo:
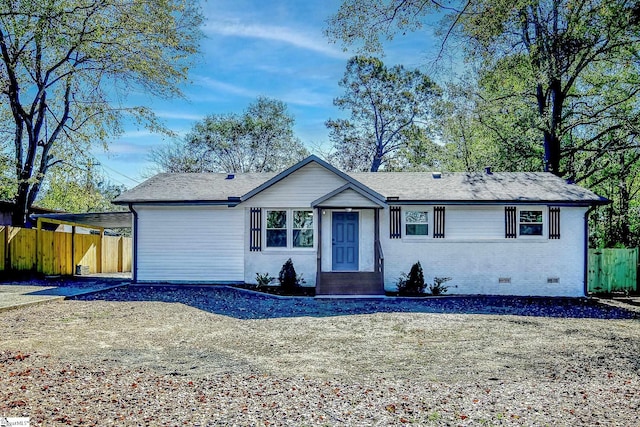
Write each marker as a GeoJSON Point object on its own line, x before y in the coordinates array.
{"type": "Point", "coordinates": [134, 264]}
{"type": "Point", "coordinates": [586, 250]}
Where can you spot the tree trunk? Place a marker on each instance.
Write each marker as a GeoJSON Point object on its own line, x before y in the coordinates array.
{"type": "Point", "coordinates": [551, 153]}
{"type": "Point", "coordinates": [553, 118]}
{"type": "Point", "coordinates": [623, 215]}
{"type": "Point", "coordinates": [375, 164]}
{"type": "Point", "coordinates": [20, 209]}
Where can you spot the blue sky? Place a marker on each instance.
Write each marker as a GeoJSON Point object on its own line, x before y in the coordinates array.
{"type": "Point", "coordinates": [273, 48]}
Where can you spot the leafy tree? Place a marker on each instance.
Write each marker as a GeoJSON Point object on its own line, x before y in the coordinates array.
{"type": "Point", "coordinates": [557, 85]}
{"type": "Point", "coordinates": [67, 67]}
{"type": "Point", "coordinates": [564, 53]}
{"type": "Point", "coordinates": [387, 107]}
{"type": "Point", "coordinates": [75, 189]}
{"type": "Point", "coordinates": [7, 182]}
{"type": "Point", "coordinates": [617, 224]}
{"type": "Point", "coordinates": [261, 139]}
{"type": "Point", "coordinates": [178, 156]}
{"type": "Point", "coordinates": [469, 143]}
{"type": "Point", "coordinates": [419, 153]}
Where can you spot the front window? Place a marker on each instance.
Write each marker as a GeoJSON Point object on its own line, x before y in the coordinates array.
{"type": "Point", "coordinates": [531, 223]}
{"type": "Point", "coordinates": [416, 223]}
{"type": "Point", "coordinates": [277, 229]}
{"type": "Point", "coordinates": [302, 229]}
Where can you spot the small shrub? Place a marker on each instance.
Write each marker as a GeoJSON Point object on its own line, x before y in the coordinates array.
{"type": "Point", "coordinates": [288, 278]}
{"type": "Point", "coordinates": [438, 287]}
{"type": "Point", "coordinates": [412, 284]}
{"type": "Point", "coordinates": [263, 279]}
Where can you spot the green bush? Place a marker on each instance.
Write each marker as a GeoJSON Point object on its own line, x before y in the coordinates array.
{"type": "Point", "coordinates": [438, 287]}
{"type": "Point", "coordinates": [413, 284]}
{"type": "Point", "coordinates": [289, 280]}
{"type": "Point", "coordinates": [263, 279]}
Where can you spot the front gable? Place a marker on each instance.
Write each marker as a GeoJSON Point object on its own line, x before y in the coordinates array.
{"type": "Point", "coordinates": [302, 184]}
{"type": "Point", "coordinates": [348, 196]}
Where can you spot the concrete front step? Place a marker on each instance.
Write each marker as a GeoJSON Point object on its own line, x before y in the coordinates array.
{"type": "Point", "coordinates": [350, 283]}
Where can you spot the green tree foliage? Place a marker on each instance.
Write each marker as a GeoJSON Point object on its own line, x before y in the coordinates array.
{"type": "Point", "coordinates": [261, 139]}
{"type": "Point", "coordinates": [570, 62]}
{"type": "Point", "coordinates": [557, 84]}
{"type": "Point", "coordinates": [7, 181]}
{"type": "Point", "coordinates": [75, 189]}
{"type": "Point", "coordinates": [387, 106]}
{"type": "Point", "coordinates": [67, 66]}
{"type": "Point", "coordinates": [469, 144]}
{"type": "Point", "coordinates": [617, 224]}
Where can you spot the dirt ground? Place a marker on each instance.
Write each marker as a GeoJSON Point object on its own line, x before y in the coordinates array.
{"type": "Point", "coordinates": [444, 368]}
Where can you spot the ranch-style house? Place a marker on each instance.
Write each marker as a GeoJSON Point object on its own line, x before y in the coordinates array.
{"type": "Point", "coordinates": [356, 233]}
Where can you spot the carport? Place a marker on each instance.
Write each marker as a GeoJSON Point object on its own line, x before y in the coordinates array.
{"type": "Point", "coordinates": [79, 252]}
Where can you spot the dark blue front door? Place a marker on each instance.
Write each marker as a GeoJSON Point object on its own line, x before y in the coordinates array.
{"type": "Point", "coordinates": [345, 241]}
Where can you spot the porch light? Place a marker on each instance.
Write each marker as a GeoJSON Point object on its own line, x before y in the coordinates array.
{"type": "Point", "coordinates": [348, 209]}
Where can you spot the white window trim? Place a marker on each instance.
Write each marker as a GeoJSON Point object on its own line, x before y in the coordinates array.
{"type": "Point", "coordinates": [545, 222]}
{"type": "Point", "coordinates": [289, 219]}
{"type": "Point", "coordinates": [403, 214]}
{"type": "Point", "coordinates": [265, 222]}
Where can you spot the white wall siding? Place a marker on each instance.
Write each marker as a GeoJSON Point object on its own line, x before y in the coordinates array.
{"type": "Point", "coordinates": [476, 265]}
{"type": "Point", "coordinates": [190, 244]}
{"type": "Point", "coordinates": [299, 189]}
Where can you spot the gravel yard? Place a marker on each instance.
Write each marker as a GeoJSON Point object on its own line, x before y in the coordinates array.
{"type": "Point", "coordinates": [219, 356]}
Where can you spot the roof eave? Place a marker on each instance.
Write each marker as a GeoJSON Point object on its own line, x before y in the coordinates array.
{"type": "Point", "coordinates": [574, 203]}
{"type": "Point", "coordinates": [228, 202]}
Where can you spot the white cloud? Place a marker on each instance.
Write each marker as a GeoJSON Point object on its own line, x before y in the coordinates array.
{"type": "Point", "coordinates": [306, 97]}
{"type": "Point", "coordinates": [179, 116]}
{"type": "Point", "coordinates": [217, 85]}
{"type": "Point", "coordinates": [275, 33]}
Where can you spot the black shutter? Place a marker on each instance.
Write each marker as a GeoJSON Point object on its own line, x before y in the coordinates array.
{"type": "Point", "coordinates": [438, 222]}
{"type": "Point", "coordinates": [255, 236]}
{"type": "Point", "coordinates": [554, 222]}
{"type": "Point", "coordinates": [510, 222]}
{"type": "Point", "coordinates": [395, 222]}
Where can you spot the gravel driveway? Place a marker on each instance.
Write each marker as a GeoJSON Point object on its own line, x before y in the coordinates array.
{"type": "Point", "coordinates": [218, 356]}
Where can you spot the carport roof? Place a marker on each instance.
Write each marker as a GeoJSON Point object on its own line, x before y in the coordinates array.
{"type": "Point", "coordinates": [96, 219]}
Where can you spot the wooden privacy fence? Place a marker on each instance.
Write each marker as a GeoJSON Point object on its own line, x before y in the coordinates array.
{"type": "Point", "coordinates": [58, 253]}
{"type": "Point", "coordinates": [612, 270]}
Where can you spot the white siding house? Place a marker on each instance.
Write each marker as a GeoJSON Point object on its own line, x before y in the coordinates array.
{"type": "Point", "coordinates": [496, 233]}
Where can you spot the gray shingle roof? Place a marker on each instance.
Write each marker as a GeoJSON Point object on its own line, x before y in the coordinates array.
{"type": "Point", "coordinates": [477, 187]}
{"type": "Point", "coordinates": [523, 187]}
{"type": "Point", "coordinates": [192, 187]}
